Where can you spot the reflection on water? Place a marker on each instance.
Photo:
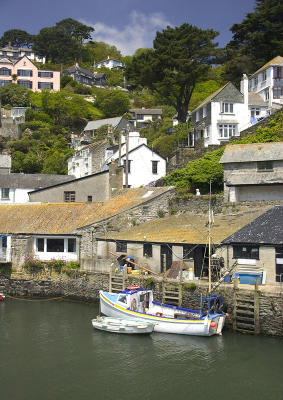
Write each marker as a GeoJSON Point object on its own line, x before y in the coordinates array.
{"type": "Point", "coordinates": [49, 350]}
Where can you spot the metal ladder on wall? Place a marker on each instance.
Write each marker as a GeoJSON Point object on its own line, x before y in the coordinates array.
{"type": "Point", "coordinates": [246, 312]}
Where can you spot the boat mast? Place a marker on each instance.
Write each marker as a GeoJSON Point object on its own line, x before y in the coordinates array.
{"type": "Point", "coordinates": [209, 240]}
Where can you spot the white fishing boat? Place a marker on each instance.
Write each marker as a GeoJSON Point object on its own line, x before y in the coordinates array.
{"type": "Point", "coordinates": [137, 302]}
{"type": "Point", "coordinates": [121, 325]}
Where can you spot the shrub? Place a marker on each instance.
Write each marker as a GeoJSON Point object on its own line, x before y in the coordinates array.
{"type": "Point", "coordinates": [56, 265]}
{"type": "Point", "coordinates": [191, 287]}
{"type": "Point", "coordinates": [161, 214]}
{"type": "Point", "coordinates": [33, 266]}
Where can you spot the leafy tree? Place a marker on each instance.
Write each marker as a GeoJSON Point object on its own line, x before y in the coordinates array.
{"type": "Point", "coordinates": [15, 95]}
{"type": "Point", "coordinates": [202, 91]}
{"type": "Point", "coordinates": [256, 40]}
{"type": "Point", "coordinates": [17, 38]}
{"type": "Point", "coordinates": [180, 58]}
{"type": "Point", "coordinates": [98, 51]}
{"type": "Point", "coordinates": [56, 45]}
{"type": "Point", "coordinates": [75, 29]}
{"type": "Point", "coordinates": [112, 102]}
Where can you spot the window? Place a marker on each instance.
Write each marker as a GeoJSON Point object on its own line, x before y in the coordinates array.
{"type": "Point", "coordinates": [264, 76]}
{"type": "Point", "coordinates": [226, 130]}
{"type": "Point", "coordinates": [227, 108]}
{"type": "Point", "coordinates": [255, 81]}
{"type": "Point", "coordinates": [246, 252]}
{"type": "Point", "coordinates": [55, 245]}
{"type": "Point", "coordinates": [3, 83]}
{"type": "Point", "coordinates": [197, 116]}
{"type": "Point", "coordinates": [40, 244]}
{"type": "Point", "coordinates": [45, 74]}
{"type": "Point", "coordinates": [204, 111]}
{"type": "Point", "coordinates": [145, 209]}
{"type": "Point", "coordinates": [27, 84]}
{"type": "Point", "coordinates": [89, 198]}
{"type": "Point", "coordinates": [147, 250]}
{"type": "Point", "coordinates": [45, 85]}
{"type": "Point", "coordinates": [69, 197]}
{"type": "Point", "coordinates": [255, 112]}
{"type": "Point", "coordinates": [71, 245]}
{"type": "Point", "coordinates": [121, 247]}
{"type": "Point", "coordinates": [24, 72]}
{"type": "Point", "coordinates": [154, 167]}
{"type": "Point", "coordinates": [28, 53]}
{"type": "Point", "coordinates": [122, 298]}
{"type": "Point", "coordinates": [140, 116]}
{"type": "Point", "coordinates": [129, 165]}
{"type": "Point", "coordinates": [5, 71]}
{"type": "Point", "coordinates": [278, 72]}
{"type": "Point", "coordinates": [263, 166]}
{"type": "Point", "coordinates": [5, 193]}
{"type": "Point", "coordinates": [266, 94]}
{"type": "Point", "coordinates": [277, 92]}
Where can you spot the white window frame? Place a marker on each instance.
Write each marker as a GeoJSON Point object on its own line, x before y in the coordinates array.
{"type": "Point", "coordinates": [62, 255]}
{"type": "Point", "coordinates": [226, 131]}
{"type": "Point", "coordinates": [227, 108]}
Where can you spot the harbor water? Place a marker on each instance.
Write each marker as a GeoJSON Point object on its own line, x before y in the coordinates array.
{"type": "Point", "coordinates": [49, 350]}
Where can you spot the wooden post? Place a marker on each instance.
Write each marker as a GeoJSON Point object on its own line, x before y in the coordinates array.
{"type": "Point", "coordinates": [127, 161]}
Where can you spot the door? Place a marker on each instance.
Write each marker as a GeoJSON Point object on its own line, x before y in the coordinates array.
{"type": "Point", "coordinates": [165, 257]}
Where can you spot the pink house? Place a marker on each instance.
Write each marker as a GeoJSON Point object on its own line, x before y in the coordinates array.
{"type": "Point", "coordinates": [27, 74]}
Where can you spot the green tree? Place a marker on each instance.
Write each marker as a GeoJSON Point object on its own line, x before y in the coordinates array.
{"type": "Point", "coordinates": [56, 45]}
{"type": "Point", "coordinates": [98, 51]}
{"type": "Point", "coordinates": [256, 40]}
{"type": "Point", "coordinates": [179, 59]}
{"type": "Point", "coordinates": [75, 29]}
{"type": "Point", "coordinates": [17, 38]}
{"type": "Point", "coordinates": [15, 95]}
{"type": "Point", "coordinates": [112, 102]}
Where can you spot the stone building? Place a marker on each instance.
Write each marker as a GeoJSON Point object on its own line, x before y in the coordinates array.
{"type": "Point", "coordinates": [258, 248]}
{"type": "Point", "coordinates": [253, 172]}
{"type": "Point", "coordinates": [67, 231]}
{"type": "Point", "coordinates": [173, 242]}
{"type": "Point", "coordinates": [14, 188]}
{"type": "Point", "coordinates": [90, 188]}
{"type": "Point", "coordinates": [5, 163]}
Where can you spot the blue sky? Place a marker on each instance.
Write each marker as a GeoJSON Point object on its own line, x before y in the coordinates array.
{"type": "Point", "coordinates": [128, 24]}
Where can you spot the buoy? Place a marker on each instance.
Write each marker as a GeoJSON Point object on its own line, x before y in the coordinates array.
{"type": "Point", "coordinates": [213, 324]}
{"type": "Point", "coordinates": [133, 287]}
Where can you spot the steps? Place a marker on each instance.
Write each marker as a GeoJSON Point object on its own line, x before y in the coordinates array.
{"type": "Point", "coordinates": [246, 312]}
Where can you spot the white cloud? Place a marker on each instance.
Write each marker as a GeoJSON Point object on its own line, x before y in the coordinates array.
{"type": "Point", "coordinates": [139, 32]}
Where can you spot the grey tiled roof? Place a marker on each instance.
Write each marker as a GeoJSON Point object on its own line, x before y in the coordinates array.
{"type": "Point", "coordinates": [256, 100]}
{"type": "Point", "coordinates": [32, 181]}
{"type": "Point", "coordinates": [252, 152]}
{"type": "Point", "coordinates": [92, 125]}
{"type": "Point", "coordinates": [147, 111]}
{"type": "Point", "coordinates": [266, 229]}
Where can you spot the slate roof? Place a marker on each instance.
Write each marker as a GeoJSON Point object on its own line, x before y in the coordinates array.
{"type": "Point", "coordinates": [256, 100]}
{"type": "Point", "coordinates": [5, 60]}
{"type": "Point", "coordinates": [187, 228]}
{"type": "Point", "coordinates": [92, 125]}
{"type": "Point", "coordinates": [32, 181]}
{"type": "Point", "coordinates": [69, 218]}
{"type": "Point", "coordinates": [275, 61]}
{"type": "Point", "coordinates": [75, 68]}
{"type": "Point", "coordinates": [147, 111]}
{"type": "Point", "coordinates": [266, 229]}
{"type": "Point", "coordinates": [210, 97]}
{"type": "Point", "coordinates": [236, 153]}
{"type": "Point", "coordinates": [138, 147]}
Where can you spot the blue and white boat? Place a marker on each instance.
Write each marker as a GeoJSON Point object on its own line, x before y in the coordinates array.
{"type": "Point", "coordinates": [137, 302]}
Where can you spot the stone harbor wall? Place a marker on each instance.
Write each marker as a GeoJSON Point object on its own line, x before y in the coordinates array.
{"type": "Point", "coordinates": [85, 286]}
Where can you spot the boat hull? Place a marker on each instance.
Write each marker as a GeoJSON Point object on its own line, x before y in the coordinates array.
{"type": "Point", "coordinates": [195, 327]}
{"type": "Point", "coordinates": [124, 326]}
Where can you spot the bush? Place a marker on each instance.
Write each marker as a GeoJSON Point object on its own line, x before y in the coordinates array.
{"type": "Point", "coordinates": [33, 266]}
{"type": "Point", "coordinates": [191, 287]}
{"type": "Point", "coordinates": [161, 214]}
{"type": "Point", "coordinates": [57, 265]}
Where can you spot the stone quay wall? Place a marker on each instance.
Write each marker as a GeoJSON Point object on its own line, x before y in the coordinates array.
{"type": "Point", "coordinates": [85, 287]}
